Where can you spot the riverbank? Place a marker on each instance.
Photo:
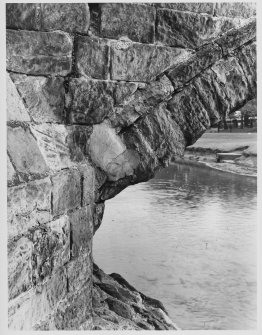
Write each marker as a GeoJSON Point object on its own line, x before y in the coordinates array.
{"type": "Point", "coordinates": [204, 152]}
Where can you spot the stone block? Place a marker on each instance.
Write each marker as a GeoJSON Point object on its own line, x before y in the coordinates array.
{"type": "Point", "coordinates": [136, 21]}
{"type": "Point", "coordinates": [23, 199]}
{"type": "Point", "coordinates": [88, 183]}
{"type": "Point", "coordinates": [79, 271]}
{"type": "Point", "coordinates": [26, 16]}
{"type": "Point", "coordinates": [44, 97]}
{"type": "Point", "coordinates": [37, 304]}
{"type": "Point", "coordinates": [196, 64]}
{"type": "Point", "coordinates": [92, 57]}
{"type": "Point", "coordinates": [234, 38]}
{"type": "Point", "coordinates": [51, 248]}
{"type": "Point", "coordinates": [81, 228]}
{"type": "Point", "coordinates": [24, 152]}
{"type": "Point", "coordinates": [11, 173]}
{"type": "Point", "coordinates": [19, 266]}
{"type": "Point", "coordinates": [190, 30]}
{"type": "Point", "coordinates": [98, 215]}
{"type": "Point", "coordinates": [140, 62]}
{"type": "Point", "coordinates": [39, 53]}
{"type": "Point", "coordinates": [235, 9]}
{"type": "Point", "coordinates": [70, 17]}
{"type": "Point", "coordinates": [110, 154]}
{"type": "Point", "coordinates": [51, 140]}
{"type": "Point", "coordinates": [16, 110]}
{"type": "Point", "coordinates": [89, 101]}
{"type": "Point", "coordinates": [66, 193]}
{"type": "Point", "coordinates": [195, 7]}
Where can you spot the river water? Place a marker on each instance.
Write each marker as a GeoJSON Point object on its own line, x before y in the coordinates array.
{"type": "Point", "coordinates": [188, 238]}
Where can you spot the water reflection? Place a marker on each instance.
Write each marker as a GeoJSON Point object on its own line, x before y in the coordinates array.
{"type": "Point", "coordinates": [188, 238]}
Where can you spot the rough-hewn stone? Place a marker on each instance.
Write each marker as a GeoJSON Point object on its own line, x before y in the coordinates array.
{"type": "Point", "coordinates": [23, 16]}
{"type": "Point", "coordinates": [24, 152]}
{"type": "Point", "coordinates": [32, 307]}
{"type": "Point", "coordinates": [16, 110]}
{"type": "Point", "coordinates": [81, 228]}
{"type": "Point", "coordinates": [88, 183]}
{"type": "Point", "coordinates": [235, 9]}
{"type": "Point", "coordinates": [11, 173]}
{"type": "Point", "coordinates": [38, 53]}
{"type": "Point", "coordinates": [195, 65]}
{"type": "Point", "coordinates": [92, 57]}
{"type": "Point", "coordinates": [125, 19]}
{"type": "Point", "coordinates": [66, 192]}
{"type": "Point", "coordinates": [237, 36]}
{"type": "Point", "coordinates": [190, 30]}
{"type": "Point", "coordinates": [71, 17]}
{"type": "Point", "coordinates": [140, 62]}
{"type": "Point", "coordinates": [44, 97]}
{"type": "Point", "coordinates": [195, 7]}
{"type": "Point", "coordinates": [91, 101]}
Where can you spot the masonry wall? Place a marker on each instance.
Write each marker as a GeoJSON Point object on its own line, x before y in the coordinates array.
{"type": "Point", "coordinates": [100, 96]}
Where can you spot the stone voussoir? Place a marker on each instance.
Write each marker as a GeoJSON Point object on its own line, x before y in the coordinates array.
{"type": "Point", "coordinates": [69, 17]}
{"type": "Point", "coordinates": [136, 21]}
{"type": "Point", "coordinates": [39, 53]}
{"type": "Point", "coordinates": [143, 62]}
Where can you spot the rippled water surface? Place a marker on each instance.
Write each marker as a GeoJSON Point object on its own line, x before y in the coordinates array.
{"type": "Point", "coordinates": [188, 238]}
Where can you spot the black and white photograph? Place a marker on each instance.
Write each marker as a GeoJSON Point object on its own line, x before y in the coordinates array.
{"type": "Point", "coordinates": [131, 142]}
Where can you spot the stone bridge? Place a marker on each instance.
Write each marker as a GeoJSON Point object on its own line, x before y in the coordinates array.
{"type": "Point", "coordinates": [100, 97]}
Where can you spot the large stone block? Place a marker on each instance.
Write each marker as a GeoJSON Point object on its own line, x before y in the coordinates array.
{"type": "Point", "coordinates": [92, 57]}
{"type": "Point", "coordinates": [110, 154]}
{"type": "Point", "coordinates": [81, 228]}
{"type": "Point", "coordinates": [190, 30]}
{"type": "Point", "coordinates": [39, 53]}
{"type": "Point", "coordinates": [195, 7]}
{"type": "Point", "coordinates": [32, 307]}
{"type": "Point", "coordinates": [88, 183]}
{"type": "Point", "coordinates": [19, 267]}
{"type": "Point", "coordinates": [136, 21]}
{"type": "Point", "coordinates": [66, 193]}
{"type": "Point", "coordinates": [16, 110]}
{"type": "Point", "coordinates": [23, 199]}
{"type": "Point", "coordinates": [51, 140]}
{"type": "Point", "coordinates": [24, 152]}
{"type": "Point", "coordinates": [51, 248]}
{"type": "Point", "coordinates": [71, 17]}
{"type": "Point", "coordinates": [196, 64]}
{"type": "Point", "coordinates": [234, 38]}
{"type": "Point", "coordinates": [235, 9]}
{"type": "Point", "coordinates": [25, 16]}
{"type": "Point", "coordinates": [44, 97]}
{"type": "Point", "coordinates": [140, 62]}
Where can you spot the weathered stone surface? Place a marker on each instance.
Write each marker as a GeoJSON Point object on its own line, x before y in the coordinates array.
{"type": "Point", "coordinates": [38, 53]}
{"type": "Point", "coordinates": [51, 140]}
{"type": "Point", "coordinates": [71, 17]}
{"type": "Point", "coordinates": [66, 193]}
{"type": "Point", "coordinates": [110, 154]}
{"type": "Point", "coordinates": [24, 152]}
{"type": "Point", "coordinates": [92, 57]}
{"type": "Point", "coordinates": [247, 60]}
{"type": "Point", "coordinates": [139, 62]}
{"type": "Point", "coordinates": [23, 16]}
{"type": "Point", "coordinates": [98, 215]}
{"type": "Point", "coordinates": [19, 267]}
{"type": "Point", "coordinates": [88, 183]}
{"type": "Point", "coordinates": [235, 9]}
{"type": "Point", "coordinates": [44, 97]}
{"type": "Point", "coordinates": [11, 173]}
{"type": "Point", "coordinates": [81, 227]}
{"type": "Point", "coordinates": [27, 197]}
{"type": "Point", "coordinates": [234, 38]}
{"type": "Point", "coordinates": [190, 30]}
{"type": "Point", "coordinates": [36, 305]}
{"type": "Point", "coordinates": [90, 101]}
{"type": "Point", "coordinates": [196, 7]}
{"type": "Point", "coordinates": [125, 19]}
{"type": "Point", "coordinates": [16, 110]}
{"type": "Point", "coordinates": [195, 65]}
{"type": "Point", "coordinates": [51, 248]}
